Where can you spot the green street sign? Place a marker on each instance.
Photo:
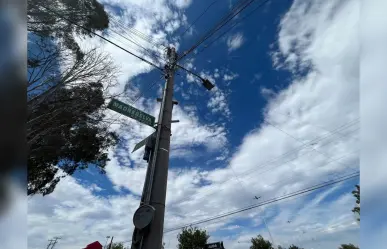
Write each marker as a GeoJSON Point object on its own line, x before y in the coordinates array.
{"type": "Point", "coordinates": [131, 112]}
{"type": "Point", "coordinates": [141, 143]}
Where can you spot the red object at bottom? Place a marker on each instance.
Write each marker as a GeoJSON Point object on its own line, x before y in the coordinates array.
{"type": "Point", "coordinates": [94, 245]}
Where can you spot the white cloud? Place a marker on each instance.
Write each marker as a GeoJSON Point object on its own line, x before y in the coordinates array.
{"type": "Point", "coordinates": [153, 18]}
{"type": "Point", "coordinates": [191, 78]}
{"type": "Point", "coordinates": [229, 77]}
{"type": "Point", "coordinates": [182, 4]}
{"type": "Point", "coordinates": [95, 187]}
{"type": "Point", "coordinates": [267, 93]}
{"type": "Point", "coordinates": [71, 210]}
{"type": "Point", "coordinates": [311, 134]}
{"type": "Point", "coordinates": [172, 26]}
{"type": "Point", "coordinates": [218, 102]}
{"type": "Point", "coordinates": [187, 133]}
{"type": "Point", "coordinates": [232, 227]}
{"type": "Point", "coordinates": [235, 41]}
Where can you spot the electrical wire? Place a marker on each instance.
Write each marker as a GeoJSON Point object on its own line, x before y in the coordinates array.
{"type": "Point", "coordinates": [283, 156]}
{"type": "Point", "coordinates": [298, 140]}
{"type": "Point", "coordinates": [190, 72]}
{"type": "Point", "coordinates": [234, 12]}
{"type": "Point", "coordinates": [132, 31]}
{"type": "Point", "coordinates": [116, 46]}
{"type": "Point", "coordinates": [142, 93]}
{"type": "Point", "coordinates": [150, 53]}
{"type": "Point", "coordinates": [313, 124]}
{"type": "Point", "coordinates": [138, 33]}
{"type": "Point", "coordinates": [270, 201]}
{"type": "Point", "coordinates": [105, 39]}
{"type": "Point", "coordinates": [269, 185]}
{"type": "Point", "coordinates": [296, 194]}
{"type": "Point", "coordinates": [108, 126]}
{"type": "Point", "coordinates": [134, 101]}
{"type": "Point", "coordinates": [197, 19]}
{"type": "Point", "coordinates": [232, 26]}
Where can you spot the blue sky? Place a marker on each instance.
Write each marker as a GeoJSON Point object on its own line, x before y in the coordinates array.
{"type": "Point", "coordinates": [282, 117]}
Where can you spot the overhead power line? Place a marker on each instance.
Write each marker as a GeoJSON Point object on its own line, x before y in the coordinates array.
{"type": "Point", "coordinates": [234, 12]}
{"type": "Point", "coordinates": [105, 39]}
{"type": "Point", "coordinates": [206, 83]}
{"type": "Point", "coordinates": [190, 72]}
{"type": "Point", "coordinates": [270, 201]}
{"type": "Point", "coordinates": [135, 100]}
{"type": "Point", "coordinates": [220, 188]}
{"type": "Point", "coordinates": [273, 200]}
{"type": "Point", "coordinates": [285, 155]}
{"type": "Point", "coordinates": [197, 19]}
{"type": "Point", "coordinates": [149, 52]}
{"type": "Point", "coordinates": [233, 25]}
{"type": "Point", "coordinates": [137, 33]}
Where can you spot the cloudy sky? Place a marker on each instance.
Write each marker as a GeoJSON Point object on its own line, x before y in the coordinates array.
{"type": "Point", "coordinates": [284, 116]}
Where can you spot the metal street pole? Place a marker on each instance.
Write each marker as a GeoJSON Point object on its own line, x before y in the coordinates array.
{"type": "Point", "coordinates": [264, 221]}
{"type": "Point", "coordinates": [111, 243]}
{"type": "Point", "coordinates": [55, 241]}
{"type": "Point", "coordinates": [107, 238]}
{"type": "Point", "coordinates": [267, 227]}
{"type": "Point", "coordinates": [49, 244]}
{"type": "Point", "coordinates": [157, 185]}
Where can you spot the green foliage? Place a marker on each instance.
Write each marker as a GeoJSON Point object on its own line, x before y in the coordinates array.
{"type": "Point", "coordinates": [356, 194]}
{"type": "Point", "coordinates": [260, 243]}
{"type": "Point", "coordinates": [192, 238]}
{"type": "Point", "coordinates": [46, 23]}
{"type": "Point", "coordinates": [65, 122]}
{"type": "Point", "coordinates": [348, 246]}
{"type": "Point", "coordinates": [294, 247]}
{"type": "Point", "coordinates": [118, 245]}
{"type": "Point", "coordinates": [65, 132]}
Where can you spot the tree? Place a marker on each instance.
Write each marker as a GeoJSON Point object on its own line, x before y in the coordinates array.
{"type": "Point", "coordinates": [192, 238]}
{"type": "Point", "coordinates": [348, 246]}
{"type": "Point", "coordinates": [65, 122]}
{"type": "Point", "coordinates": [117, 245]}
{"type": "Point", "coordinates": [294, 247]}
{"type": "Point", "coordinates": [67, 89]}
{"type": "Point", "coordinates": [260, 243]}
{"type": "Point", "coordinates": [356, 193]}
{"type": "Point", "coordinates": [43, 20]}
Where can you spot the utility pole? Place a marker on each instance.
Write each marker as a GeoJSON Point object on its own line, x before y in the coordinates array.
{"type": "Point", "coordinates": [52, 242]}
{"type": "Point", "coordinates": [264, 220]}
{"type": "Point", "coordinates": [111, 243]}
{"type": "Point", "coordinates": [157, 184]}
{"type": "Point", "coordinates": [149, 217]}
{"type": "Point", "coordinates": [49, 244]}
{"type": "Point", "coordinates": [107, 238]}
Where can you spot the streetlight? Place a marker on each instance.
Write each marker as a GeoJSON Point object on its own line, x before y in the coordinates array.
{"type": "Point", "coordinates": [207, 84]}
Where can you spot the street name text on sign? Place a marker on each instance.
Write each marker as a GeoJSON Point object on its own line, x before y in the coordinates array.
{"type": "Point", "coordinates": [131, 112]}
